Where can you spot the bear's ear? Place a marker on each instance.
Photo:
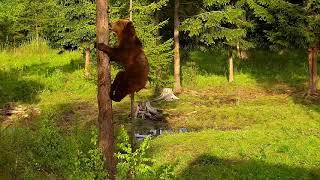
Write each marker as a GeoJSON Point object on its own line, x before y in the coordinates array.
{"type": "Point", "coordinates": [129, 29]}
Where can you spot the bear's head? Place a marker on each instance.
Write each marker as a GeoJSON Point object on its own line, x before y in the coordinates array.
{"type": "Point", "coordinates": [123, 28]}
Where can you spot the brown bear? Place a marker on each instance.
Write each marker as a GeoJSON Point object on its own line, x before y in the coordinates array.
{"type": "Point", "coordinates": [129, 53]}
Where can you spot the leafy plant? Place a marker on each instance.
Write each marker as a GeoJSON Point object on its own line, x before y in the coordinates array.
{"type": "Point", "coordinates": [135, 163]}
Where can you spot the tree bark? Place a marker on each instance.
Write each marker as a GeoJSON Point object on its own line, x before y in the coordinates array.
{"type": "Point", "coordinates": [87, 62]}
{"type": "Point", "coordinates": [177, 84]}
{"type": "Point", "coordinates": [313, 73]}
{"type": "Point", "coordinates": [231, 67]}
{"type": "Point", "coordinates": [106, 136]}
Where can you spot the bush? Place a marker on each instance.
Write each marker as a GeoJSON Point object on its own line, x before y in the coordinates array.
{"type": "Point", "coordinates": [136, 163]}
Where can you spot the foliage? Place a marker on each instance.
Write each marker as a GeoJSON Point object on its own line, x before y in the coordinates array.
{"type": "Point", "coordinates": [89, 164]}
{"type": "Point", "coordinates": [24, 19]}
{"type": "Point", "coordinates": [136, 162]}
{"type": "Point", "coordinates": [75, 25]}
{"type": "Point", "coordinates": [132, 161]}
{"type": "Point", "coordinates": [220, 21]}
{"type": "Point", "coordinates": [288, 24]}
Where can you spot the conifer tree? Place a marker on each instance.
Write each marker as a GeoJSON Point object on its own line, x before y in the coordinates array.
{"type": "Point", "coordinates": [75, 27]}
{"type": "Point", "coordinates": [221, 21]}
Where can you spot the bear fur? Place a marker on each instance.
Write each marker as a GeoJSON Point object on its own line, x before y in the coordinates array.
{"type": "Point", "coordinates": [129, 53]}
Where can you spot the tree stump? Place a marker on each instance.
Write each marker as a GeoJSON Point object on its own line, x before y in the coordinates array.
{"type": "Point", "coordinates": [166, 95]}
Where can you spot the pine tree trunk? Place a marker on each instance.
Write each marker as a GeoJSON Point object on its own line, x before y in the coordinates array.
{"type": "Point", "coordinates": [238, 50]}
{"type": "Point", "coordinates": [130, 10]}
{"type": "Point", "coordinates": [313, 74]}
{"type": "Point", "coordinates": [231, 67]}
{"type": "Point", "coordinates": [106, 136]}
{"type": "Point", "coordinates": [132, 94]}
{"type": "Point", "coordinates": [87, 62]}
{"type": "Point", "coordinates": [177, 84]}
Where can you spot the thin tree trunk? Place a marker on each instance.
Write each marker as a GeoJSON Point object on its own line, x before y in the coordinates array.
{"type": "Point", "coordinates": [130, 10]}
{"type": "Point", "coordinates": [132, 114]}
{"type": "Point", "coordinates": [106, 136]}
{"type": "Point", "coordinates": [132, 94]}
{"type": "Point", "coordinates": [37, 34]}
{"type": "Point", "coordinates": [177, 84]}
{"type": "Point", "coordinates": [14, 44]}
{"type": "Point", "coordinates": [130, 174]}
{"type": "Point", "coordinates": [238, 50]}
{"type": "Point", "coordinates": [231, 67]}
{"type": "Point", "coordinates": [313, 73]}
{"type": "Point", "coordinates": [87, 63]}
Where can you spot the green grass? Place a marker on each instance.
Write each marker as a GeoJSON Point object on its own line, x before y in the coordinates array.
{"type": "Point", "coordinates": [259, 127]}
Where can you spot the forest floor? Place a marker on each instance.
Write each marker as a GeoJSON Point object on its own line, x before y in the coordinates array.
{"type": "Point", "coordinates": [258, 127]}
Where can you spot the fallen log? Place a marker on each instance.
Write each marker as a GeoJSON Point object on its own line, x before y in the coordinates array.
{"type": "Point", "coordinates": [147, 112]}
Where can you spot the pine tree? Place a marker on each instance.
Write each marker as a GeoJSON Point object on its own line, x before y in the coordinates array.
{"type": "Point", "coordinates": [223, 22]}
{"type": "Point", "coordinates": [75, 27]}
{"type": "Point", "coordinates": [292, 26]}
{"type": "Point", "coordinates": [25, 19]}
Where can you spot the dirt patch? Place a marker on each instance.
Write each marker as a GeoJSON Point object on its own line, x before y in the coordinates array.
{"type": "Point", "coordinates": [12, 113]}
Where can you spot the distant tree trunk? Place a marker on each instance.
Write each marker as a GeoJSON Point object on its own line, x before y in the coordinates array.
{"type": "Point", "coordinates": [238, 50]}
{"type": "Point", "coordinates": [14, 44]}
{"type": "Point", "coordinates": [37, 35]}
{"type": "Point", "coordinates": [231, 67]}
{"type": "Point", "coordinates": [177, 84]}
{"type": "Point", "coordinates": [130, 10]}
{"type": "Point", "coordinates": [132, 94]}
{"type": "Point", "coordinates": [87, 62]}
{"type": "Point", "coordinates": [106, 136]}
{"type": "Point", "coordinates": [313, 73]}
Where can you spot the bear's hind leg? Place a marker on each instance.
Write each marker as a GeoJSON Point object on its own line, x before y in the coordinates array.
{"type": "Point", "coordinates": [119, 87]}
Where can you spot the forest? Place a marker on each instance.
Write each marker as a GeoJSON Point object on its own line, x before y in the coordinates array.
{"type": "Point", "coordinates": [230, 89]}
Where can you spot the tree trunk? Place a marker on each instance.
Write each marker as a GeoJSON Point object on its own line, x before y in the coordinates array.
{"type": "Point", "coordinates": [37, 34]}
{"type": "Point", "coordinates": [231, 68]}
{"type": "Point", "coordinates": [177, 84]}
{"type": "Point", "coordinates": [130, 10]}
{"type": "Point", "coordinates": [238, 50]}
{"type": "Point", "coordinates": [132, 94]}
{"type": "Point", "coordinates": [14, 44]}
{"type": "Point", "coordinates": [313, 74]}
{"type": "Point", "coordinates": [106, 136]}
{"type": "Point", "coordinates": [87, 63]}
{"type": "Point", "coordinates": [132, 116]}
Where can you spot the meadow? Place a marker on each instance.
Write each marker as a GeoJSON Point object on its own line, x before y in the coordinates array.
{"type": "Point", "coordinates": [259, 127]}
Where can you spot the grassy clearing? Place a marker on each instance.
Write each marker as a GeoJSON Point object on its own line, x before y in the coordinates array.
{"type": "Point", "coordinates": [259, 127]}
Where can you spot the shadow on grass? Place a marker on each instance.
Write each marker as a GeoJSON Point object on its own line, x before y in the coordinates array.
{"type": "Point", "coordinates": [285, 73]}
{"type": "Point", "coordinates": [15, 89]}
{"type": "Point", "coordinates": [266, 67]}
{"type": "Point", "coordinates": [47, 70]}
{"type": "Point", "coordinates": [84, 114]}
{"type": "Point", "coordinates": [211, 167]}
